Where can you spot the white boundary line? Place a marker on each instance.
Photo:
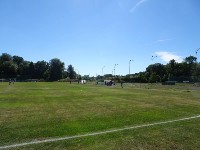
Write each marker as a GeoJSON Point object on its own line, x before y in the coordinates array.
{"type": "Point", "coordinates": [93, 134]}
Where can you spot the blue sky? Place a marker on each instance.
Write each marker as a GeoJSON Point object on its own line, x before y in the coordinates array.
{"type": "Point", "coordinates": [91, 34]}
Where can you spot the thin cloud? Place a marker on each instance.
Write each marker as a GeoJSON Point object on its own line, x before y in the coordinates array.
{"type": "Point", "coordinates": [162, 40]}
{"type": "Point", "coordinates": [167, 56]}
{"type": "Point", "coordinates": [137, 5]}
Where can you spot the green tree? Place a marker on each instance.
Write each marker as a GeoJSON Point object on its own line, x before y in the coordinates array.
{"type": "Point", "coordinates": [40, 69]}
{"type": "Point", "coordinates": [18, 60]}
{"type": "Point", "coordinates": [191, 65]}
{"type": "Point", "coordinates": [171, 69]}
{"type": "Point", "coordinates": [24, 70]}
{"type": "Point", "coordinates": [5, 57]}
{"type": "Point", "coordinates": [190, 60]}
{"type": "Point", "coordinates": [198, 72]}
{"type": "Point", "coordinates": [9, 69]}
{"type": "Point", "coordinates": [154, 78]}
{"type": "Point", "coordinates": [56, 68]}
{"type": "Point", "coordinates": [156, 69]}
{"type": "Point", "coordinates": [71, 72]}
{"type": "Point", "coordinates": [31, 70]}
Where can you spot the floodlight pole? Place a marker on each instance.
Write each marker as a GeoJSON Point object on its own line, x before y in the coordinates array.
{"type": "Point", "coordinates": [196, 58]}
{"type": "Point", "coordinates": [114, 68]}
{"type": "Point", "coordinates": [153, 57]}
{"type": "Point", "coordinates": [196, 51]}
{"type": "Point", "coordinates": [129, 66]}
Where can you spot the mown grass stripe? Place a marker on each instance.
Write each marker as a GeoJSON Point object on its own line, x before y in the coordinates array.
{"type": "Point", "coordinates": [95, 133]}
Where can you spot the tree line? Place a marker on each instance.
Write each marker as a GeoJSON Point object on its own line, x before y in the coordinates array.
{"type": "Point", "coordinates": [188, 70]}
{"type": "Point", "coordinates": [18, 68]}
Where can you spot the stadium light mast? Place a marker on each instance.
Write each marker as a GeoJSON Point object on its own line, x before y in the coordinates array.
{"type": "Point", "coordinates": [153, 57]}
{"type": "Point", "coordinates": [114, 68]}
{"type": "Point", "coordinates": [196, 51]}
{"type": "Point", "coordinates": [129, 66]}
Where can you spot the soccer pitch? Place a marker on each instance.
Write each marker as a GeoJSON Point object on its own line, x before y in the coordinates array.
{"type": "Point", "coordinates": [141, 116]}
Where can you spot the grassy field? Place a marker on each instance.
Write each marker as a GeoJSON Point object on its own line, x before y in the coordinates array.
{"type": "Point", "coordinates": [38, 111]}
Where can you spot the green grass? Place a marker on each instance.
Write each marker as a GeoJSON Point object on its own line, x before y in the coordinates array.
{"type": "Point", "coordinates": [30, 111]}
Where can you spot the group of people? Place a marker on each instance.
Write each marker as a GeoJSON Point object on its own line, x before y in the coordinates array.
{"type": "Point", "coordinates": [110, 83]}
{"type": "Point", "coordinates": [11, 81]}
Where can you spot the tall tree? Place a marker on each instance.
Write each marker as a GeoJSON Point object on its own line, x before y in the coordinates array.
{"type": "Point", "coordinates": [31, 70]}
{"type": "Point", "coordinates": [171, 69]}
{"type": "Point", "coordinates": [56, 69]}
{"type": "Point", "coordinates": [8, 69]}
{"type": "Point", "coordinates": [40, 69]}
{"type": "Point", "coordinates": [71, 72]}
{"type": "Point", "coordinates": [156, 70]}
{"type": "Point", "coordinates": [5, 57]}
{"type": "Point", "coordinates": [190, 60]}
{"type": "Point", "coordinates": [24, 70]}
{"type": "Point", "coordinates": [190, 63]}
{"type": "Point", "coordinates": [18, 60]}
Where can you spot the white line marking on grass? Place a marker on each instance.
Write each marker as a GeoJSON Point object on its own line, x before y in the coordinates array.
{"type": "Point", "coordinates": [93, 134]}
